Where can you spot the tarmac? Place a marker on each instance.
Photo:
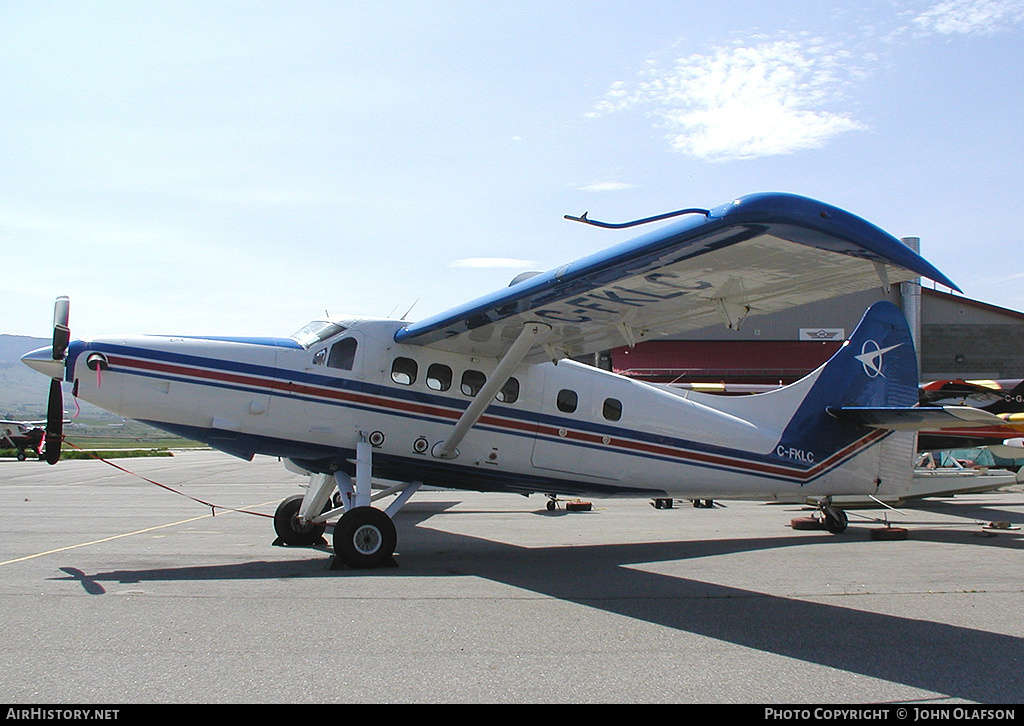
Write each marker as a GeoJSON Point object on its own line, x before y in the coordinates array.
{"type": "Point", "coordinates": [115, 590]}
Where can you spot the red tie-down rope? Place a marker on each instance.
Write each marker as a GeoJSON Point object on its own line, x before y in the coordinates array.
{"type": "Point", "coordinates": [213, 507]}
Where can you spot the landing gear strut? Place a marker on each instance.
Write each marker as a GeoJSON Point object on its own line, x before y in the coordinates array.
{"type": "Point", "coordinates": [364, 536]}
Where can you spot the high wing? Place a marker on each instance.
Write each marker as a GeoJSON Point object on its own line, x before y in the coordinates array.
{"type": "Point", "coordinates": [22, 426]}
{"type": "Point", "coordinates": [758, 254]}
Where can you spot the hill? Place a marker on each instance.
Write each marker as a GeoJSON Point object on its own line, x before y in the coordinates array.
{"type": "Point", "coordinates": [22, 391]}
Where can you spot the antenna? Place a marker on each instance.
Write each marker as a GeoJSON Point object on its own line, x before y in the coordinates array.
{"type": "Point", "coordinates": [410, 309]}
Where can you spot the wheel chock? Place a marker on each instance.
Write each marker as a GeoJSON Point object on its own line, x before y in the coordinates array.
{"type": "Point", "coordinates": [889, 534]}
{"type": "Point", "coordinates": [807, 523]}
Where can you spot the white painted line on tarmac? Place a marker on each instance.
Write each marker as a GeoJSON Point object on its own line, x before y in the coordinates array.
{"type": "Point", "coordinates": [113, 537]}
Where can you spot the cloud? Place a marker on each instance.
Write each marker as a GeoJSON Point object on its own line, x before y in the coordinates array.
{"type": "Point", "coordinates": [607, 186]}
{"type": "Point", "coordinates": [970, 17]}
{"type": "Point", "coordinates": [491, 263]}
{"type": "Point", "coordinates": [744, 101]}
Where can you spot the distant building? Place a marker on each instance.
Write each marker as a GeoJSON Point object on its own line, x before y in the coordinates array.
{"type": "Point", "coordinates": [963, 338]}
{"type": "Point", "coordinates": [956, 338]}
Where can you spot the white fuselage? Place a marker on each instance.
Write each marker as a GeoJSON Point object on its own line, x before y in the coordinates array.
{"type": "Point", "coordinates": [559, 429]}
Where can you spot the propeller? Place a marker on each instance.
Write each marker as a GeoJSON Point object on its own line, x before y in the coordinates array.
{"type": "Point", "coordinates": [55, 403]}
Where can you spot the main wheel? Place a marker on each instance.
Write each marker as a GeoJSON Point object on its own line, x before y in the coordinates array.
{"type": "Point", "coordinates": [365, 537]}
{"type": "Point", "coordinates": [290, 530]}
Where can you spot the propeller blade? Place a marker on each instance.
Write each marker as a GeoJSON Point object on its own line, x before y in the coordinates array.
{"type": "Point", "coordinates": [61, 330]}
{"type": "Point", "coordinates": [54, 423]}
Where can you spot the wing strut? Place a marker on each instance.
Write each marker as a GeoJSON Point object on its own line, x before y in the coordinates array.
{"type": "Point", "coordinates": [532, 334]}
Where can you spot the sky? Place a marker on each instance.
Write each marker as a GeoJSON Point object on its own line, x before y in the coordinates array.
{"type": "Point", "coordinates": [240, 168]}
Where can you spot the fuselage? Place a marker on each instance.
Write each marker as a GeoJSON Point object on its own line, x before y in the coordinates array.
{"type": "Point", "coordinates": [563, 428]}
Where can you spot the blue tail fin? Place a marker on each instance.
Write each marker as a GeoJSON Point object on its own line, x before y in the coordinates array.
{"type": "Point", "coordinates": [876, 367]}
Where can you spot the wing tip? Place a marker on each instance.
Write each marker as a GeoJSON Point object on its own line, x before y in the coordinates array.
{"type": "Point", "coordinates": [833, 220]}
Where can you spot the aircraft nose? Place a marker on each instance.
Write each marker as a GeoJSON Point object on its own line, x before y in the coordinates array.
{"type": "Point", "coordinates": [42, 360]}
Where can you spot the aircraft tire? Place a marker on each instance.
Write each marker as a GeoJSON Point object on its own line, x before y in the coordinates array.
{"type": "Point", "coordinates": [288, 528]}
{"type": "Point", "coordinates": [836, 521]}
{"type": "Point", "coordinates": [365, 538]}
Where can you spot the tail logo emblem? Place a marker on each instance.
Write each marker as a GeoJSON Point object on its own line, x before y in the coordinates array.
{"type": "Point", "coordinates": [871, 358]}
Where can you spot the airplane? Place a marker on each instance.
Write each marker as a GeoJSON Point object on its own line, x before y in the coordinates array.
{"type": "Point", "coordinates": [23, 436]}
{"type": "Point", "coordinates": [486, 396]}
{"type": "Point", "coordinates": [998, 397]}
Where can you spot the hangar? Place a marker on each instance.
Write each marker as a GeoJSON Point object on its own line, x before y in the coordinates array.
{"type": "Point", "coordinates": [956, 338]}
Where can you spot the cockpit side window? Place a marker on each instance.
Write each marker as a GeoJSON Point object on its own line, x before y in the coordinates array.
{"type": "Point", "coordinates": [343, 354]}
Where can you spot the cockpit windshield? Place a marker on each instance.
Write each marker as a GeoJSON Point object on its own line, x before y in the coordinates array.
{"type": "Point", "coordinates": [316, 331]}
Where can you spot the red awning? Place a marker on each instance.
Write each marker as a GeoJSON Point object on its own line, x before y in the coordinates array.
{"type": "Point", "coordinates": [721, 361]}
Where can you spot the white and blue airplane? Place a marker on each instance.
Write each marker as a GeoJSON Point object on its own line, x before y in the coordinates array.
{"type": "Point", "coordinates": [486, 397]}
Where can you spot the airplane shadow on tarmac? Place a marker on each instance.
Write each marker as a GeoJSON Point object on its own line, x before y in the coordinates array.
{"type": "Point", "coordinates": [964, 663]}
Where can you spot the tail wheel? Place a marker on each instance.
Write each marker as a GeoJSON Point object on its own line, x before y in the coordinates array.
{"type": "Point", "coordinates": [365, 538]}
{"type": "Point", "coordinates": [290, 529]}
{"type": "Point", "coordinates": [836, 520]}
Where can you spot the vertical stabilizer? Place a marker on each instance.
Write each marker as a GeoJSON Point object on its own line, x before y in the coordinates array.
{"type": "Point", "coordinates": [876, 367]}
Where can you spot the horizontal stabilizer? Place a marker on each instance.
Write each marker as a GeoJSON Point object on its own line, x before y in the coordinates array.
{"type": "Point", "coordinates": [916, 418]}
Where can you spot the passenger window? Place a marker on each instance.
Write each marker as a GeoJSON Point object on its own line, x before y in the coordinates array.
{"type": "Point", "coordinates": [472, 382]}
{"type": "Point", "coordinates": [612, 409]}
{"type": "Point", "coordinates": [439, 377]}
{"type": "Point", "coordinates": [320, 357]}
{"type": "Point", "coordinates": [567, 400]}
{"type": "Point", "coordinates": [403, 371]}
{"type": "Point", "coordinates": [509, 393]}
{"type": "Point", "coordinates": [343, 354]}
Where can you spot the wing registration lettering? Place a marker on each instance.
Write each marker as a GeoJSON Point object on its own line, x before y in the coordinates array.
{"type": "Point", "coordinates": [610, 302]}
